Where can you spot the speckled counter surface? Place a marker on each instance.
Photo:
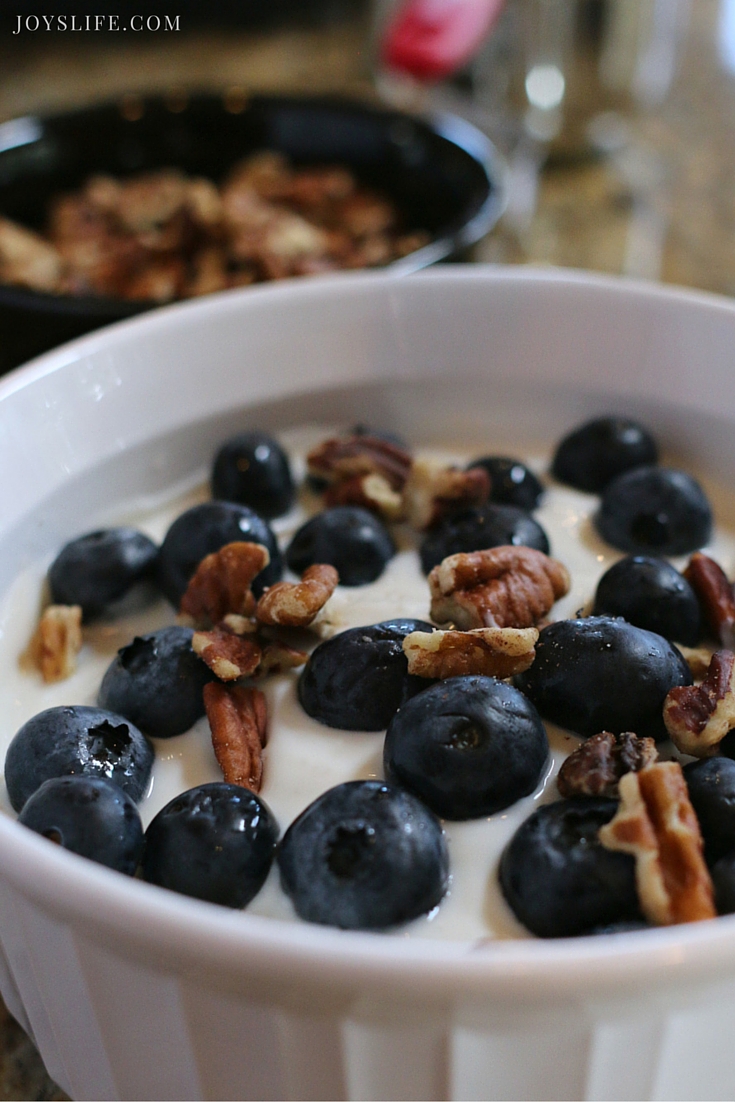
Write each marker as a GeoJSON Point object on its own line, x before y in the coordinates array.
{"type": "Point", "coordinates": [659, 204]}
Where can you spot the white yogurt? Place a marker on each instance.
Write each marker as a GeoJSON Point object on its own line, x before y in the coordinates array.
{"type": "Point", "coordinates": [304, 758]}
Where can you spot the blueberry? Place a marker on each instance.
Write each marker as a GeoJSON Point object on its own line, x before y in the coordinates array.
{"type": "Point", "coordinates": [347, 537]}
{"type": "Point", "coordinates": [156, 682]}
{"type": "Point", "coordinates": [475, 529]}
{"type": "Point", "coordinates": [70, 740]}
{"type": "Point", "coordinates": [603, 674]}
{"type": "Point", "coordinates": [655, 510]}
{"type": "Point", "coordinates": [89, 816]}
{"type": "Point", "coordinates": [711, 784]}
{"type": "Point", "coordinates": [467, 746]}
{"type": "Point", "coordinates": [600, 450]}
{"type": "Point", "coordinates": [358, 679]}
{"type": "Point", "coordinates": [101, 567]}
{"type": "Point", "coordinates": [651, 594]}
{"type": "Point", "coordinates": [364, 856]}
{"type": "Point", "coordinates": [214, 842]}
{"type": "Point", "coordinates": [204, 529]}
{"type": "Point", "coordinates": [511, 482]}
{"type": "Point", "coordinates": [559, 879]}
{"type": "Point", "coordinates": [253, 469]}
{"type": "Point", "coordinates": [723, 881]}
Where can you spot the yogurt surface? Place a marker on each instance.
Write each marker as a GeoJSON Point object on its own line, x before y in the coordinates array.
{"type": "Point", "coordinates": [304, 758]}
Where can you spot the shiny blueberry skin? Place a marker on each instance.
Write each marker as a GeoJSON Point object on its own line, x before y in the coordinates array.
{"type": "Point", "coordinates": [101, 567]}
{"type": "Point", "coordinates": [156, 682]}
{"type": "Point", "coordinates": [600, 450]}
{"type": "Point", "coordinates": [214, 842]}
{"type": "Point", "coordinates": [711, 784]}
{"type": "Point", "coordinates": [253, 469]}
{"type": "Point", "coordinates": [347, 537]}
{"type": "Point", "coordinates": [77, 739]}
{"type": "Point", "coordinates": [89, 816]}
{"type": "Point", "coordinates": [655, 510]}
{"type": "Point", "coordinates": [651, 594]}
{"type": "Point", "coordinates": [205, 528]}
{"type": "Point", "coordinates": [603, 674]}
{"type": "Point", "coordinates": [559, 879]}
{"type": "Point", "coordinates": [364, 856]}
{"type": "Point", "coordinates": [467, 747]}
{"type": "Point", "coordinates": [475, 529]}
{"type": "Point", "coordinates": [358, 679]}
{"type": "Point", "coordinates": [511, 482]}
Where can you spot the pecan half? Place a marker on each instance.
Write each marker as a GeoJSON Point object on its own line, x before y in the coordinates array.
{"type": "Point", "coordinates": [221, 583]}
{"type": "Point", "coordinates": [656, 823]}
{"type": "Point", "coordinates": [228, 655]}
{"type": "Point", "coordinates": [238, 720]}
{"type": "Point", "coordinates": [709, 582]}
{"type": "Point", "coordinates": [698, 717]}
{"type": "Point", "coordinates": [432, 491]}
{"type": "Point", "coordinates": [596, 767]}
{"type": "Point", "coordinates": [57, 642]}
{"type": "Point", "coordinates": [371, 491]}
{"type": "Point", "coordinates": [295, 604]}
{"type": "Point", "coordinates": [500, 587]}
{"type": "Point", "coordinates": [337, 459]}
{"type": "Point", "coordinates": [494, 652]}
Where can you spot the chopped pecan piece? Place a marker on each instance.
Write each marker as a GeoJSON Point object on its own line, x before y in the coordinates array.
{"type": "Point", "coordinates": [279, 657]}
{"type": "Point", "coordinates": [596, 767]}
{"type": "Point", "coordinates": [698, 717]}
{"type": "Point", "coordinates": [338, 459]}
{"type": "Point", "coordinates": [228, 655]}
{"type": "Point", "coordinates": [432, 491]}
{"type": "Point", "coordinates": [499, 587]}
{"type": "Point", "coordinates": [656, 823]}
{"type": "Point", "coordinates": [26, 259]}
{"type": "Point", "coordinates": [295, 604]}
{"type": "Point", "coordinates": [221, 582]}
{"type": "Point", "coordinates": [697, 659]}
{"type": "Point", "coordinates": [493, 651]}
{"type": "Point", "coordinates": [709, 582]}
{"type": "Point", "coordinates": [57, 642]}
{"type": "Point", "coordinates": [237, 719]}
{"type": "Point", "coordinates": [371, 491]}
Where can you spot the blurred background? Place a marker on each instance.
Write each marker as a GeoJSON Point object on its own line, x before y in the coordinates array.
{"type": "Point", "coordinates": [615, 119]}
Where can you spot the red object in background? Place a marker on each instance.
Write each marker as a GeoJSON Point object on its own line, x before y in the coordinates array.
{"type": "Point", "coordinates": [431, 39]}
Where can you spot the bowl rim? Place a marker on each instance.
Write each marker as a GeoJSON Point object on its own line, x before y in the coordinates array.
{"type": "Point", "coordinates": [452, 128]}
{"type": "Point", "coordinates": [143, 916]}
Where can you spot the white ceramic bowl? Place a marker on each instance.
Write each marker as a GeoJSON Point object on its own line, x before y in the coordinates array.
{"type": "Point", "coordinates": [132, 992]}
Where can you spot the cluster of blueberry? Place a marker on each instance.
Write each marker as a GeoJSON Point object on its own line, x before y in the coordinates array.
{"type": "Point", "coordinates": [372, 854]}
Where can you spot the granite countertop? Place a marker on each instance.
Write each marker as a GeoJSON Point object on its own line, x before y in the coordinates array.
{"type": "Point", "coordinates": [657, 202]}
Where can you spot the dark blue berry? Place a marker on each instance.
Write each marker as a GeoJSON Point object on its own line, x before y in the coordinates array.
{"type": "Point", "coordinates": [358, 679]}
{"type": "Point", "coordinates": [350, 539]}
{"type": "Point", "coordinates": [651, 594]}
{"type": "Point", "coordinates": [156, 682]}
{"type": "Point", "coordinates": [559, 879]}
{"type": "Point", "coordinates": [101, 567]}
{"type": "Point", "coordinates": [476, 529]}
{"type": "Point", "coordinates": [600, 450]}
{"type": "Point", "coordinates": [364, 856]}
{"type": "Point", "coordinates": [204, 529]}
{"type": "Point", "coordinates": [723, 881]}
{"type": "Point", "coordinates": [655, 510]}
{"type": "Point", "coordinates": [467, 746]}
{"type": "Point", "coordinates": [89, 816]}
{"type": "Point", "coordinates": [253, 469]}
{"type": "Point", "coordinates": [76, 739]}
{"type": "Point", "coordinates": [511, 482]}
{"type": "Point", "coordinates": [711, 784]}
{"type": "Point", "coordinates": [602, 674]}
{"type": "Point", "coordinates": [214, 842]}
